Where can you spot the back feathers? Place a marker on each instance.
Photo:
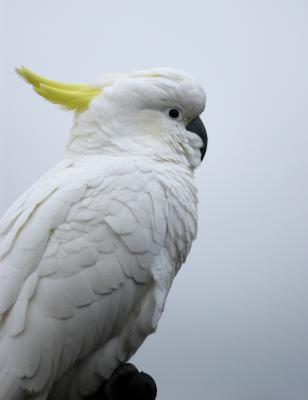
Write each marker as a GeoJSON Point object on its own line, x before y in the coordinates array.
{"type": "Point", "coordinates": [75, 97]}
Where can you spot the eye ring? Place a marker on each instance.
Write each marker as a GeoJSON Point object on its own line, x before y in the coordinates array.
{"type": "Point", "coordinates": [174, 113]}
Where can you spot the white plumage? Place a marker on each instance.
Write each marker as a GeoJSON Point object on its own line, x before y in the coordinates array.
{"type": "Point", "coordinates": [89, 252]}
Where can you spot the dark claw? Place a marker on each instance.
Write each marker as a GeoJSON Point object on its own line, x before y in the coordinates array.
{"type": "Point", "coordinates": [127, 383]}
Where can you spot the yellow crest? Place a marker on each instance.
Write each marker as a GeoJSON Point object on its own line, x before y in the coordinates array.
{"type": "Point", "coordinates": [70, 96]}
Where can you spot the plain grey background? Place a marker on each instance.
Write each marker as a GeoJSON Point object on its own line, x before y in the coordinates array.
{"type": "Point", "coordinates": [235, 326]}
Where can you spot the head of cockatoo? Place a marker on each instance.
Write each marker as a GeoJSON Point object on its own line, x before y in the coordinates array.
{"type": "Point", "coordinates": [152, 114]}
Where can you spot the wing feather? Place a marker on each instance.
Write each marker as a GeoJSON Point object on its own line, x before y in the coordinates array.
{"type": "Point", "coordinates": [77, 262]}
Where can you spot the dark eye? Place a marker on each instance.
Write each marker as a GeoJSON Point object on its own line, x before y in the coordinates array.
{"type": "Point", "coordinates": [174, 113]}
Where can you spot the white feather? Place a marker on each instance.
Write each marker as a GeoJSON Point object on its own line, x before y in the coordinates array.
{"type": "Point", "coordinates": [88, 253]}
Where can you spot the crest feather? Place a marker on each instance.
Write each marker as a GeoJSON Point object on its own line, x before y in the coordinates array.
{"type": "Point", "coordinates": [69, 95]}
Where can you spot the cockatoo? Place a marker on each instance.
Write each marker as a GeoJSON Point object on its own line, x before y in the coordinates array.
{"type": "Point", "coordinates": [89, 252]}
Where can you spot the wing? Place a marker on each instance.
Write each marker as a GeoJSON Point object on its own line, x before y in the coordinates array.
{"type": "Point", "coordinates": [76, 259]}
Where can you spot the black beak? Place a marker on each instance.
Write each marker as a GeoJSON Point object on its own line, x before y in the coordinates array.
{"type": "Point", "coordinates": [196, 126]}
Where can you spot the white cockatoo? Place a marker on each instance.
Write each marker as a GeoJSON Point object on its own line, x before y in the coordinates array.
{"type": "Point", "coordinates": [89, 252]}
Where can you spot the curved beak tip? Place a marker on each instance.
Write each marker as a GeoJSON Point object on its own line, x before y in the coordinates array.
{"type": "Point", "coordinates": [196, 126]}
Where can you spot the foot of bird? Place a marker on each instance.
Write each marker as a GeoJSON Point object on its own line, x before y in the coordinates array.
{"type": "Point", "coordinates": [127, 383]}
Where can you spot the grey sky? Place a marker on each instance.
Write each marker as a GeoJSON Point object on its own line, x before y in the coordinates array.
{"type": "Point", "coordinates": [235, 325]}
